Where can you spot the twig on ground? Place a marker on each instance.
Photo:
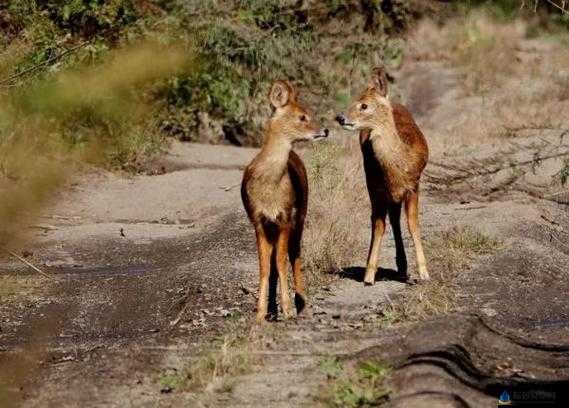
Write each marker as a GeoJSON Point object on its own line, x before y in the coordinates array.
{"type": "Point", "coordinates": [28, 263]}
{"type": "Point", "coordinates": [181, 313]}
{"type": "Point", "coordinates": [559, 193]}
{"type": "Point", "coordinates": [478, 207]}
{"type": "Point", "coordinates": [183, 300]}
{"type": "Point", "coordinates": [487, 172]}
{"type": "Point", "coordinates": [45, 227]}
{"type": "Point", "coordinates": [227, 188]}
{"type": "Point", "coordinates": [297, 354]}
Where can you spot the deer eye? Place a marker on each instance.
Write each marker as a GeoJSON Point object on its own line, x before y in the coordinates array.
{"type": "Point", "coordinates": [303, 118]}
{"type": "Point", "coordinates": [363, 107]}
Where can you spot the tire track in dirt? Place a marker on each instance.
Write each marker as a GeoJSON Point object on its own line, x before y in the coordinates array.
{"type": "Point", "coordinates": [100, 334]}
{"type": "Point", "coordinates": [100, 325]}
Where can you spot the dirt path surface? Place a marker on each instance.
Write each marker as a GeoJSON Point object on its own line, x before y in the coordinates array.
{"type": "Point", "coordinates": [134, 282]}
{"type": "Point", "coordinates": [510, 330]}
{"type": "Point", "coordinates": [148, 268]}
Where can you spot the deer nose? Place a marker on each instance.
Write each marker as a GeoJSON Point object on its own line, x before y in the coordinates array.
{"type": "Point", "coordinates": [326, 132]}
{"type": "Point", "coordinates": [340, 118]}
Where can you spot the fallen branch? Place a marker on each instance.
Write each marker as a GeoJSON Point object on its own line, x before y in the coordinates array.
{"type": "Point", "coordinates": [489, 172]}
{"type": "Point", "coordinates": [556, 194]}
{"type": "Point", "coordinates": [28, 263]}
{"type": "Point", "coordinates": [181, 313]}
{"type": "Point", "coordinates": [298, 354]}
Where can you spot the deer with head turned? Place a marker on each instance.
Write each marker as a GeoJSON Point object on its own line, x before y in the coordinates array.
{"type": "Point", "coordinates": [395, 153]}
{"type": "Point", "coordinates": [275, 195]}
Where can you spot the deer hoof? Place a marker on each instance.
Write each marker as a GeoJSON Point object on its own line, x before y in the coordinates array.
{"type": "Point", "coordinates": [299, 302]}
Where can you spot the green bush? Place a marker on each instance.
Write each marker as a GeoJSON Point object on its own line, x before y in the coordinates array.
{"type": "Point", "coordinates": [241, 46]}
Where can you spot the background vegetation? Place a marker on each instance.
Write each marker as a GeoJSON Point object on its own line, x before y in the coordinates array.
{"type": "Point", "coordinates": [242, 45]}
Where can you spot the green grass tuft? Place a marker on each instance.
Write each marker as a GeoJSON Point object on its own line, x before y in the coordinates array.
{"type": "Point", "coordinates": [360, 386]}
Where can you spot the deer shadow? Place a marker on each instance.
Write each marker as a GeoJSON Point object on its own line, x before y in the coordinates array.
{"type": "Point", "coordinates": [383, 274]}
{"type": "Point", "coordinates": [386, 274]}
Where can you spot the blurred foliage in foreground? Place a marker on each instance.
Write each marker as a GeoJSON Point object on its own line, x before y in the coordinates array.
{"type": "Point", "coordinates": [97, 114]}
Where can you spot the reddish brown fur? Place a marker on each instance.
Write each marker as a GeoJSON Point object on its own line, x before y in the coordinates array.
{"type": "Point", "coordinates": [381, 186]}
{"type": "Point", "coordinates": [275, 196]}
{"type": "Point", "coordinates": [395, 153]}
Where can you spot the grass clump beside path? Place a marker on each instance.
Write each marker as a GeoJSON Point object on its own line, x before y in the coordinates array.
{"type": "Point", "coordinates": [216, 367]}
{"type": "Point", "coordinates": [362, 385]}
{"type": "Point", "coordinates": [448, 254]}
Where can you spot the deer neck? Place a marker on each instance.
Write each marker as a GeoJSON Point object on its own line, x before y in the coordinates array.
{"type": "Point", "coordinates": [272, 161]}
{"type": "Point", "coordinates": [385, 140]}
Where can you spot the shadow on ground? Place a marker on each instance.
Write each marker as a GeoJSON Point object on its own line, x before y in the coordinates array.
{"type": "Point", "coordinates": [383, 274]}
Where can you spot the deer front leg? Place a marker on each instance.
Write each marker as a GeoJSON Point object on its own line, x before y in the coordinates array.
{"type": "Point", "coordinates": [412, 212]}
{"type": "Point", "coordinates": [282, 268]}
{"type": "Point", "coordinates": [265, 248]}
{"type": "Point", "coordinates": [377, 230]}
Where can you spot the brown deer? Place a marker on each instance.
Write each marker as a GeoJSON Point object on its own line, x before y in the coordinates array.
{"type": "Point", "coordinates": [275, 196]}
{"type": "Point", "coordinates": [395, 153]}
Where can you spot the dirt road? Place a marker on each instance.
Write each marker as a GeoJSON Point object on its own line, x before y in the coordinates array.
{"type": "Point", "coordinates": [148, 268]}
{"type": "Point", "coordinates": [142, 272]}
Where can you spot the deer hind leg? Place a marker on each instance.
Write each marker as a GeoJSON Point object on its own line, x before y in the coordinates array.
{"type": "Point", "coordinates": [273, 283]}
{"type": "Point", "coordinates": [282, 268]}
{"type": "Point", "coordinates": [294, 256]}
{"type": "Point", "coordinates": [395, 221]}
{"type": "Point", "coordinates": [265, 249]}
{"type": "Point", "coordinates": [377, 230]}
{"type": "Point", "coordinates": [412, 212]}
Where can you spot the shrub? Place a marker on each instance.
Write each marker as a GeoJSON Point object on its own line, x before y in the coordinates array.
{"type": "Point", "coordinates": [242, 46]}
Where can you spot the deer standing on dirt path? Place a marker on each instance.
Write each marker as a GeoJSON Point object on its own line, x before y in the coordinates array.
{"type": "Point", "coordinates": [395, 153]}
{"type": "Point", "coordinates": [275, 196]}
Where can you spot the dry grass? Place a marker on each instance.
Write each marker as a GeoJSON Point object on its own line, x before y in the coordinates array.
{"type": "Point", "coordinates": [11, 54]}
{"type": "Point", "coordinates": [18, 287]}
{"type": "Point", "coordinates": [217, 366]}
{"type": "Point", "coordinates": [454, 250]}
{"type": "Point", "coordinates": [448, 254]}
{"type": "Point", "coordinates": [512, 78]}
{"type": "Point", "coordinates": [338, 203]}
{"type": "Point", "coordinates": [216, 370]}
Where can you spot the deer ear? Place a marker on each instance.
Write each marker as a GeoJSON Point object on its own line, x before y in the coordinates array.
{"type": "Point", "coordinates": [379, 80]}
{"type": "Point", "coordinates": [281, 93]}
